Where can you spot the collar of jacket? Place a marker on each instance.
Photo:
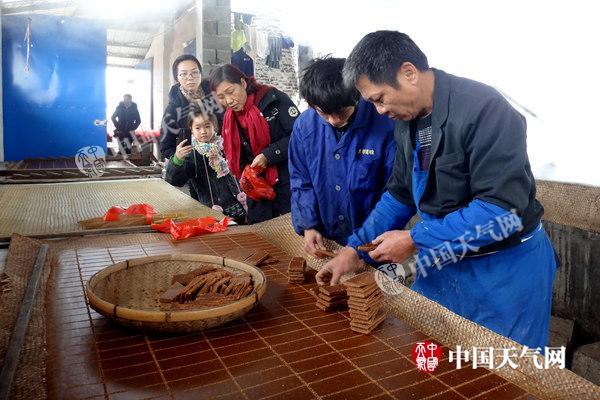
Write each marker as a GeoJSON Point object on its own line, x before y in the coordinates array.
{"type": "Point", "coordinates": [439, 114]}
{"type": "Point", "coordinates": [178, 99]}
{"type": "Point", "coordinates": [268, 99]}
{"type": "Point", "coordinates": [360, 119]}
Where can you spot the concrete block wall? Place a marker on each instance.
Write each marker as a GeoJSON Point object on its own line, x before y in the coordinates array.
{"type": "Point", "coordinates": [216, 33]}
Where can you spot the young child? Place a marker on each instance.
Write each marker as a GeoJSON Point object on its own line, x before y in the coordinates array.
{"type": "Point", "coordinates": [202, 164]}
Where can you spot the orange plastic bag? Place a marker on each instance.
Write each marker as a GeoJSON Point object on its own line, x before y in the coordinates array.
{"type": "Point", "coordinates": [192, 227]}
{"type": "Point", "coordinates": [255, 186]}
{"type": "Point", "coordinates": [138, 209]}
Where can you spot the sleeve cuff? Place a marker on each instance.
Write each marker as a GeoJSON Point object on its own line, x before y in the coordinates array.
{"type": "Point", "coordinates": [176, 161]}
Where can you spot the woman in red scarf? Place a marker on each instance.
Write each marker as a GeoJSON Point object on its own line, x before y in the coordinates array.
{"type": "Point", "coordinates": [256, 130]}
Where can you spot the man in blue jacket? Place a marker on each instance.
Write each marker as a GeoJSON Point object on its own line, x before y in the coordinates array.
{"type": "Point", "coordinates": [462, 165]}
{"type": "Point", "coordinates": [341, 155]}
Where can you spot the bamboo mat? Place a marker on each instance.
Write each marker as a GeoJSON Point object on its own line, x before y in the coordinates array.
{"type": "Point", "coordinates": [570, 204]}
{"type": "Point", "coordinates": [284, 348]}
{"type": "Point", "coordinates": [55, 208]}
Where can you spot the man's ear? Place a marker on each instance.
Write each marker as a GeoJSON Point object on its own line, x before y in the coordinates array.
{"type": "Point", "coordinates": [408, 73]}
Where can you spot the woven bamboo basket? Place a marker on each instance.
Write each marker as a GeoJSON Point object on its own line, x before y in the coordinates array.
{"type": "Point", "coordinates": [128, 293]}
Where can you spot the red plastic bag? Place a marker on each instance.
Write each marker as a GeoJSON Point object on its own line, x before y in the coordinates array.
{"type": "Point", "coordinates": [139, 209]}
{"type": "Point", "coordinates": [255, 186]}
{"type": "Point", "coordinates": [192, 227]}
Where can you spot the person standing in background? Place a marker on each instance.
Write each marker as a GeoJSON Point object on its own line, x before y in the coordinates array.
{"type": "Point", "coordinates": [126, 119]}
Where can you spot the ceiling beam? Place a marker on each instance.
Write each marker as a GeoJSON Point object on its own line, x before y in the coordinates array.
{"type": "Point", "coordinates": [120, 65]}
{"type": "Point", "coordinates": [125, 55]}
{"type": "Point", "coordinates": [126, 44]}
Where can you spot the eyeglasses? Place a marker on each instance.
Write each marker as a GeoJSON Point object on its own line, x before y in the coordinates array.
{"type": "Point", "coordinates": [185, 75]}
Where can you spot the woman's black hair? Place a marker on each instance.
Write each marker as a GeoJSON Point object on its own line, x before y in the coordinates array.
{"type": "Point", "coordinates": [182, 58]}
{"type": "Point", "coordinates": [322, 85]}
{"type": "Point", "coordinates": [230, 73]}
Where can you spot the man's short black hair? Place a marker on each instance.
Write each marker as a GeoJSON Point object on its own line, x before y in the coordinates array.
{"type": "Point", "coordinates": [322, 85]}
{"type": "Point", "coordinates": [182, 58]}
{"type": "Point", "coordinates": [379, 55]}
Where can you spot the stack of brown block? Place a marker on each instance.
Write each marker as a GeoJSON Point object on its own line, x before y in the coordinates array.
{"type": "Point", "coordinates": [296, 269]}
{"type": "Point", "coordinates": [364, 302]}
{"type": "Point", "coordinates": [205, 286]}
{"type": "Point", "coordinates": [332, 298]}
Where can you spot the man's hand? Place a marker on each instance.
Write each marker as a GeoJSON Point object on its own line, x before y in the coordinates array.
{"type": "Point", "coordinates": [259, 161]}
{"type": "Point", "coordinates": [393, 246]}
{"type": "Point", "coordinates": [346, 261]}
{"type": "Point", "coordinates": [313, 241]}
{"type": "Point", "coordinates": [182, 150]}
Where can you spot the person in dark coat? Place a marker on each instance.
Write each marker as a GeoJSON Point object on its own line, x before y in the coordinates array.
{"type": "Point", "coordinates": [256, 131]}
{"type": "Point", "coordinates": [189, 91]}
{"type": "Point", "coordinates": [126, 119]}
{"type": "Point", "coordinates": [201, 164]}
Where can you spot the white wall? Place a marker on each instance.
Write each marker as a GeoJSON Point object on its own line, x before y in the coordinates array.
{"type": "Point", "coordinates": [543, 54]}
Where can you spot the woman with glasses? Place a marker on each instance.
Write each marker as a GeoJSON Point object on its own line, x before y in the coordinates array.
{"type": "Point", "coordinates": [256, 131]}
{"type": "Point", "coordinates": [189, 91]}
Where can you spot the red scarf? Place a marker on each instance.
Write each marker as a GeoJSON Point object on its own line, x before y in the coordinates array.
{"type": "Point", "coordinates": [251, 120]}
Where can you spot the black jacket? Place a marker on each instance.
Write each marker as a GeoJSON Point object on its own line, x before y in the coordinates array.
{"type": "Point", "coordinates": [125, 119]}
{"type": "Point", "coordinates": [174, 126]}
{"type": "Point", "coordinates": [281, 113]}
{"type": "Point", "coordinates": [194, 171]}
{"type": "Point", "coordinates": [478, 151]}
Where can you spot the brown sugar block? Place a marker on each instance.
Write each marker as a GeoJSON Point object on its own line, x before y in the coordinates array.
{"type": "Point", "coordinates": [334, 290]}
{"type": "Point", "coordinates": [360, 280]}
{"type": "Point", "coordinates": [240, 253]}
{"type": "Point", "coordinates": [329, 299]}
{"type": "Point", "coordinates": [376, 320]}
{"type": "Point", "coordinates": [212, 279]}
{"type": "Point", "coordinates": [222, 283]}
{"type": "Point", "coordinates": [366, 247]}
{"type": "Point", "coordinates": [331, 306]}
{"type": "Point", "coordinates": [237, 284]}
{"type": "Point", "coordinates": [297, 264]}
{"type": "Point", "coordinates": [364, 305]}
{"type": "Point", "coordinates": [365, 302]}
{"type": "Point", "coordinates": [337, 304]}
{"type": "Point", "coordinates": [183, 279]}
{"type": "Point", "coordinates": [191, 288]}
{"type": "Point", "coordinates": [364, 315]}
{"type": "Point", "coordinates": [257, 258]}
{"type": "Point", "coordinates": [363, 293]}
{"type": "Point", "coordinates": [377, 294]}
{"type": "Point", "coordinates": [321, 253]}
{"type": "Point", "coordinates": [365, 330]}
{"type": "Point", "coordinates": [171, 293]}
